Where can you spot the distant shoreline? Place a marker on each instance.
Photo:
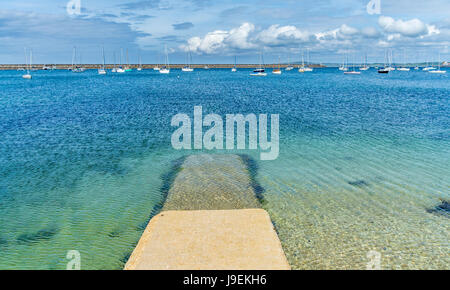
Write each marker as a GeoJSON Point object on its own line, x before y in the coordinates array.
{"type": "Point", "coordinates": [196, 66]}
{"type": "Point", "coordinates": [145, 66]}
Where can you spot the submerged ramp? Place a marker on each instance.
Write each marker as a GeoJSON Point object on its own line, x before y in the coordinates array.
{"type": "Point", "coordinates": [212, 182]}
{"type": "Point", "coordinates": [210, 221]}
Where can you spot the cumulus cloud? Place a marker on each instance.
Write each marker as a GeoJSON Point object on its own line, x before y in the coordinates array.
{"type": "Point", "coordinates": [276, 35]}
{"type": "Point", "coordinates": [409, 28]}
{"type": "Point", "coordinates": [219, 40]}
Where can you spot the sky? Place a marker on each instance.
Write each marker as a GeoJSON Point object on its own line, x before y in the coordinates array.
{"type": "Point", "coordinates": [217, 31]}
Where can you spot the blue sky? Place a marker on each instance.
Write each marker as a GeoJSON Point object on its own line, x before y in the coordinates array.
{"type": "Point", "coordinates": [216, 31]}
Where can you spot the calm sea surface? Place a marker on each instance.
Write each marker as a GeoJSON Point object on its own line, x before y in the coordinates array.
{"type": "Point", "coordinates": [364, 161]}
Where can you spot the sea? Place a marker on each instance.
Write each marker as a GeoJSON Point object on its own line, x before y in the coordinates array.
{"type": "Point", "coordinates": [361, 180]}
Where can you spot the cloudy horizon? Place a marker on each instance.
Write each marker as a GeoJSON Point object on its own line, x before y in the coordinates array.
{"type": "Point", "coordinates": [216, 32]}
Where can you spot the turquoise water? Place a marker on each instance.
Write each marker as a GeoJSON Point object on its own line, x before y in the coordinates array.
{"type": "Point", "coordinates": [364, 160]}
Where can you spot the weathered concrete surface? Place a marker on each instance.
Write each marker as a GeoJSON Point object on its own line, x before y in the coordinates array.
{"type": "Point", "coordinates": [216, 182]}
{"type": "Point", "coordinates": [209, 240]}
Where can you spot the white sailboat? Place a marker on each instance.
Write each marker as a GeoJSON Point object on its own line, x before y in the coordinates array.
{"type": "Point", "coordinates": [76, 68]}
{"type": "Point", "coordinates": [102, 70]}
{"type": "Point", "coordinates": [28, 65]}
{"type": "Point", "coordinates": [404, 67]}
{"type": "Point", "coordinates": [289, 67]}
{"type": "Point", "coordinates": [308, 60]}
{"type": "Point", "coordinates": [302, 68]}
{"type": "Point", "coordinates": [344, 67]}
{"type": "Point", "coordinates": [234, 69]}
{"type": "Point", "coordinates": [364, 67]}
{"type": "Point", "coordinates": [166, 68]}
{"type": "Point", "coordinates": [114, 69]}
{"type": "Point", "coordinates": [140, 63]}
{"type": "Point", "coordinates": [188, 67]}
{"type": "Point", "coordinates": [260, 71]}
{"type": "Point", "coordinates": [438, 71]}
{"type": "Point", "coordinates": [353, 71]}
{"type": "Point", "coordinates": [120, 68]}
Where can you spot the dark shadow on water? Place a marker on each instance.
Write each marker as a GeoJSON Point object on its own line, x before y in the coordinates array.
{"type": "Point", "coordinates": [359, 183]}
{"type": "Point", "coordinates": [441, 209]}
{"type": "Point", "coordinates": [115, 233]}
{"type": "Point", "coordinates": [42, 235]}
{"type": "Point", "coordinates": [3, 242]}
{"type": "Point", "coordinates": [168, 178]}
{"type": "Point", "coordinates": [252, 168]}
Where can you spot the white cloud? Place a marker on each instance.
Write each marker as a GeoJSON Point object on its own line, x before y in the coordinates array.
{"type": "Point", "coordinates": [276, 35]}
{"type": "Point", "coordinates": [409, 28]}
{"type": "Point", "coordinates": [218, 40]}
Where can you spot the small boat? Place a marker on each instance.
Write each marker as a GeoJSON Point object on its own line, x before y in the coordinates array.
{"type": "Point", "coordinates": [76, 68]}
{"type": "Point", "coordinates": [29, 65]}
{"type": "Point", "coordinates": [289, 67]}
{"type": "Point", "coordinates": [364, 67]}
{"type": "Point", "coordinates": [206, 67]}
{"type": "Point", "coordinates": [127, 67]}
{"type": "Point", "coordinates": [344, 67]}
{"type": "Point", "coordinates": [260, 71]}
{"type": "Point", "coordinates": [277, 71]}
{"type": "Point", "coordinates": [416, 68]}
{"type": "Point", "coordinates": [140, 63]}
{"type": "Point", "coordinates": [383, 71]}
{"type": "Point", "coordinates": [157, 68]}
{"type": "Point", "coordinates": [102, 70]}
{"type": "Point", "coordinates": [166, 68]}
{"type": "Point", "coordinates": [353, 71]}
{"type": "Point", "coordinates": [438, 71]}
{"type": "Point", "coordinates": [234, 69]}
{"type": "Point", "coordinates": [188, 67]}
{"type": "Point", "coordinates": [302, 69]}
{"type": "Point", "coordinates": [404, 67]}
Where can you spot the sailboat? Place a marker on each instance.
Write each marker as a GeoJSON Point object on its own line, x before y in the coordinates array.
{"type": "Point", "coordinates": [277, 71]}
{"type": "Point", "coordinates": [428, 67]}
{"type": "Point", "coordinates": [302, 68]}
{"type": "Point", "coordinates": [404, 68]}
{"type": "Point", "coordinates": [128, 68]}
{"type": "Point", "coordinates": [353, 71]}
{"type": "Point", "coordinates": [343, 67]}
{"type": "Point", "coordinates": [114, 69]}
{"type": "Point", "coordinates": [76, 68]}
{"type": "Point", "coordinates": [166, 68]}
{"type": "Point", "coordinates": [260, 71]}
{"type": "Point", "coordinates": [102, 70]}
{"type": "Point", "coordinates": [385, 69]}
{"type": "Point", "coordinates": [28, 75]}
{"type": "Point", "coordinates": [289, 67]}
{"type": "Point", "coordinates": [140, 63]}
{"type": "Point", "coordinates": [188, 68]}
{"type": "Point", "coordinates": [308, 60]}
{"type": "Point", "coordinates": [364, 67]}
{"type": "Point", "coordinates": [438, 71]}
{"type": "Point", "coordinates": [234, 69]}
{"type": "Point", "coordinates": [120, 68]}
{"type": "Point", "coordinates": [390, 60]}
